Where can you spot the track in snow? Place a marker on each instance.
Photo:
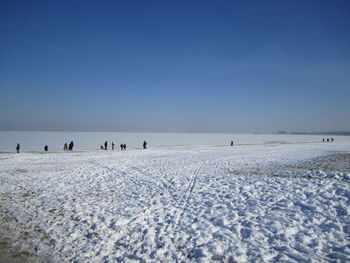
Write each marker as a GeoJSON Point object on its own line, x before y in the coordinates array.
{"type": "Point", "coordinates": [175, 205]}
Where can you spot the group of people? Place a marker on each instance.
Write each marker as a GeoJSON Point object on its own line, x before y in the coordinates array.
{"type": "Point", "coordinates": [122, 146]}
{"type": "Point", "coordinates": [328, 140]}
{"type": "Point", "coordinates": [105, 147]}
{"type": "Point", "coordinates": [66, 147]}
{"type": "Point", "coordinates": [69, 147]}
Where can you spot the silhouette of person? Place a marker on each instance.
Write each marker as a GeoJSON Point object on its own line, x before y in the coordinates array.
{"type": "Point", "coordinates": [18, 147]}
{"type": "Point", "coordinates": [46, 148]}
{"type": "Point", "coordinates": [65, 147]}
{"type": "Point", "coordinates": [113, 146]}
{"type": "Point", "coordinates": [144, 145]}
{"type": "Point", "coordinates": [71, 146]}
{"type": "Point", "coordinates": [105, 145]}
{"type": "Point", "coordinates": [231, 143]}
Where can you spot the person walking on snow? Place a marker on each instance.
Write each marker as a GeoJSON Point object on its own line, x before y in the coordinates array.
{"type": "Point", "coordinates": [113, 146]}
{"type": "Point", "coordinates": [71, 146]}
{"type": "Point", "coordinates": [144, 145]}
{"type": "Point", "coordinates": [18, 147]}
{"type": "Point", "coordinates": [105, 145]}
{"type": "Point", "coordinates": [46, 148]}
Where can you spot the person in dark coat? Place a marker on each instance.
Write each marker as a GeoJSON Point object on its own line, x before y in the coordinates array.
{"type": "Point", "coordinates": [113, 146]}
{"type": "Point", "coordinates": [144, 145]}
{"type": "Point", "coordinates": [71, 146]}
{"type": "Point", "coordinates": [124, 146]}
{"type": "Point", "coordinates": [102, 147]}
{"type": "Point", "coordinates": [46, 148]}
{"type": "Point", "coordinates": [18, 147]}
{"type": "Point", "coordinates": [231, 143]}
{"type": "Point", "coordinates": [105, 145]}
{"type": "Point", "coordinates": [121, 147]}
{"type": "Point", "coordinates": [323, 139]}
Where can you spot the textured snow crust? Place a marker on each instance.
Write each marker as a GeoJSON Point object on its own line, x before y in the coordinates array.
{"type": "Point", "coordinates": [251, 203]}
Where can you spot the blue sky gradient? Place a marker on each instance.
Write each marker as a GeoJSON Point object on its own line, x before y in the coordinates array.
{"type": "Point", "coordinates": [182, 66]}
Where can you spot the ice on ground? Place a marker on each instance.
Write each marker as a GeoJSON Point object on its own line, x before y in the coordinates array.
{"type": "Point", "coordinates": [257, 203]}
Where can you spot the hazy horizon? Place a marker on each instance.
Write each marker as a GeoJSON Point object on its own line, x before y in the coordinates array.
{"type": "Point", "coordinates": [175, 66]}
{"type": "Point", "coordinates": [279, 132]}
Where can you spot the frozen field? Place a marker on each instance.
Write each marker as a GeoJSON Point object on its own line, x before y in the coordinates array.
{"type": "Point", "coordinates": [268, 202]}
{"type": "Point", "coordinates": [35, 141]}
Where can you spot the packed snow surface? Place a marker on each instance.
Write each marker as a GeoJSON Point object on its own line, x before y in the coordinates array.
{"type": "Point", "coordinates": [271, 202]}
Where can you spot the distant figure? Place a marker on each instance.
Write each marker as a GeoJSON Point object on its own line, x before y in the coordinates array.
{"type": "Point", "coordinates": [327, 139]}
{"type": "Point", "coordinates": [102, 147]}
{"type": "Point", "coordinates": [332, 140]}
{"type": "Point", "coordinates": [144, 145]}
{"type": "Point", "coordinates": [18, 147]}
{"type": "Point", "coordinates": [323, 139]}
{"type": "Point", "coordinates": [124, 146]}
{"type": "Point", "coordinates": [105, 145]}
{"type": "Point", "coordinates": [113, 146]}
{"type": "Point", "coordinates": [65, 147]}
{"type": "Point", "coordinates": [71, 146]}
{"type": "Point", "coordinates": [46, 148]}
{"type": "Point", "coordinates": [231, 143]}
{"type": "Point", "coordinates": [121, 147]}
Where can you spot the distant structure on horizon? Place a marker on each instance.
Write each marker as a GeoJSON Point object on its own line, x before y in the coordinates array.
{"type": "Point", "coordinates": [344, 133]}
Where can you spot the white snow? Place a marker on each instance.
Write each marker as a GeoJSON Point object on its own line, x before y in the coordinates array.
{"type": "Point", "coordinates": [35, 141]}
{"type": "Point", "coordinates": [177, 204]}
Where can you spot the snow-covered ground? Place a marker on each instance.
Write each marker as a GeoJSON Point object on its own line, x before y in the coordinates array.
{"type": "Point", "coordinates": [271, 202]}
{"type": "Point", "coordinates": [35, 141]}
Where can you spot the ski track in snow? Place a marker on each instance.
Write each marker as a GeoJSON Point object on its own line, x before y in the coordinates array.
{"type": "Point", "coordinates": [200, 204]}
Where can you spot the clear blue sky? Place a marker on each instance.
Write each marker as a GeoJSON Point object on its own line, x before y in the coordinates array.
{"type": "Point", "coordinates": [189, 66]}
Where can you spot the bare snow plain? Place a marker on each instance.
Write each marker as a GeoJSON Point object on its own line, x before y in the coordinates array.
{"type": "Point", "coordinates": [269, 202]}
